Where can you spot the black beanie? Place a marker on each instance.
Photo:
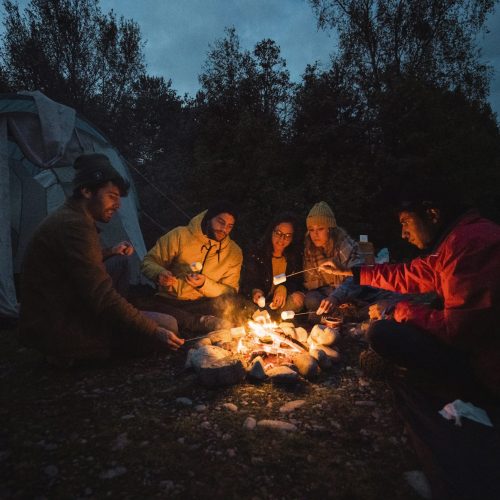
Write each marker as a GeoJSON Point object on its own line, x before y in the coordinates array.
{"type": "Point", "coordinates": [94, 168]}
{"type": "Point", "coordinates": [221, 207]}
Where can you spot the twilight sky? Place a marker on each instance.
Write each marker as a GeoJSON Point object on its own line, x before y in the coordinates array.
{"type": "Point", "coordinates": [178, 34]}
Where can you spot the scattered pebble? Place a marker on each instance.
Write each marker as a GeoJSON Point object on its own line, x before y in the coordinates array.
{"type": "Point", "coordinates": [51, 470]}
{"type": "Point", "coordinates": [184, 401]}
{"type": "Point", "coordinates": [200, 408]}
{"type": "Point", "coordinates": [230, 407]}
{"type": "Point", "coordinates": [114, 472]}
{"type": "Point", "coordinates": [292, 406]}
{"type": "Point", "coordinates": [249, 423]}
{"type": "Point", "coordinates": [418, 481]}
{"type": "Point", "coordinates": [276, 425]}
{"type": "Point", "coordinates": [121, 442]}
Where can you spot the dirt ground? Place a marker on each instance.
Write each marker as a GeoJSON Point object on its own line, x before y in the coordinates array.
{"type": "Point", "coordinates": [147, 429]}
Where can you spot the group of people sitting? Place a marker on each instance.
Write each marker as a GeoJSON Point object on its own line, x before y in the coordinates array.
{"type": "Point", "coordinates": [73, 304]}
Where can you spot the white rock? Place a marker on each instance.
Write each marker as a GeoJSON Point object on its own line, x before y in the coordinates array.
{"type": "Point", "coordinates": [301, 334]}
{"type": "Point", "coordinates": [121, 442]}
{"type": "Point", "coordinates": [230, 407]}
{"type": "Point", "coordinates": [278, 425]}
{"type": "Point", "coordinates": [200, 408]}
{"type": "Point", "coordinates": [195, 357]}
{"type": "Point", "coordinates": [220, 336]}
{"type": "Point", "coordinates": [418, 481]}
{"type": "Point", "coordinates": [202, 342]}
{"type": "Point", "coordinates": [292, 405]}
{"type": "Point", "coordinates": [322, 335]}
{"type": "Point", "coordinates": [249, 423]}
{"type": "Point", "coordinates": [114, 472]}
{"type": "Point", "coordinates": [282, 374]}
{"type": "Point", "coordinates": [184, 401]}
{"type": "Point", "coordinates": [51, 470]}
{"type": "Point", "coordinates": [257, 370]}
{"type": "Point", "coordinates": [308, 366]}
{"type": "Point", "coordinates": [220, 372]}
{"type": "Point", "coordinates": [325, 356]}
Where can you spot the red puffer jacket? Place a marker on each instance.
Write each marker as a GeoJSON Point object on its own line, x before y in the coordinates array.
{"type": "Point", "coordinates": [464, 271]}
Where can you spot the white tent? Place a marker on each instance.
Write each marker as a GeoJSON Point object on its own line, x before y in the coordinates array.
{"type": "Point", "coordinates": [39, 140]}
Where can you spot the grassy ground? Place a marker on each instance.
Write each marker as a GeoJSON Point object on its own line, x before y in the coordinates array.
{"type": "Point", "coordinates": [121, 432]}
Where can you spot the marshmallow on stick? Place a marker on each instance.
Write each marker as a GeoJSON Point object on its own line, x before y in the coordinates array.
{"type": "Point", "coordinates": [279, 278]}
{"type": "Point", "coordinates": [196, 266]}
{"type": "Point", "coordinates": [261, 302]}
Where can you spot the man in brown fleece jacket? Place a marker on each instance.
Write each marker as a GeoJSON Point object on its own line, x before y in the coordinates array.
{"type": "Point", "coordinates": [69, 308]}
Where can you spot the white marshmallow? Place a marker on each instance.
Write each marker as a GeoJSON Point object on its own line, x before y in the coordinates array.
{"type": "Point", "coordinates": [279, 278]}
{"type": "Point", "coordinates": [196, 266]}
{"type": "Point", "coordinates": [287, 314]}
{"type": "Point", "coordinates": [261, 302]}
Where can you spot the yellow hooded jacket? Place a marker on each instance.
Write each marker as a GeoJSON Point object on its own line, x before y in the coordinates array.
{"type": "Point", "coordinates": [179, 248]}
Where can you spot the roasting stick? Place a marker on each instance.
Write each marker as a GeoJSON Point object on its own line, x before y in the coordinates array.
{"type": "Point", "coordinates": [281, 278]}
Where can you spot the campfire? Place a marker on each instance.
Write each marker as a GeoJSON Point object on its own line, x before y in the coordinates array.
{"type": "Point", "coordinates": [264, 349]}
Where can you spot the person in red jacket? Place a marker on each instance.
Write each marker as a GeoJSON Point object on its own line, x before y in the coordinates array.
{"type": "Point", "coordinates": [462, 266]}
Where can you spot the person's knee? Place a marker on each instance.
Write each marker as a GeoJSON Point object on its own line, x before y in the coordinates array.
{"type": "Point", "coordinates": [164, 320]}
{"type": "Point", "coordinates": [378, 335]}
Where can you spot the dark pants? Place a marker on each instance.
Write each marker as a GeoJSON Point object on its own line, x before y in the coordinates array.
{"type": "Point", "coordinates": [132, 344]}
{"type": "Point", "coordinates": [412, 348]}
{"type": "Point", "coordinates": [118, 268]}
{"type": "Point", "coordinates": [188, 312]}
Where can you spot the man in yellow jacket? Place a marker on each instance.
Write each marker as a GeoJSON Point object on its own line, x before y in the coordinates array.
{"type": "Point", "coordinates": [195, 267]}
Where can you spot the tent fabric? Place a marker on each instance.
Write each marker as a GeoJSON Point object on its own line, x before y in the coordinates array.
{"type": "Point", "coordinates": [39, 141]}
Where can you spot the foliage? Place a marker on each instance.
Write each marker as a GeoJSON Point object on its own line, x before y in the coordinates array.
{"type": "Point", "coordinates": [432, 41]}
{"type": "Point", "coordinates": [404, 98]}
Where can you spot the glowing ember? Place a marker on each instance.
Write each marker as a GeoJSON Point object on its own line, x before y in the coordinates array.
{"type": "Point", "coordinates": [264, 335]}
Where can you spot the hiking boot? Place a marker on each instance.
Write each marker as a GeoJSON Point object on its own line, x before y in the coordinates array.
{"type": "Point", "coordinates": [212, 323]}
{"type": "Point", "coordinates": [375, 366]}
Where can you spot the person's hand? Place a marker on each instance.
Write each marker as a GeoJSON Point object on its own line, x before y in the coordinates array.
{"type": "Point", "coordinates": [256, 295]}
{"type": "Point", "coordinates": [279, 297]}
{"type": "Point", "coordinates": [326, 305]}
{"type": "Point", "coordinates": [195, 280]}
{"type": "Point", "coordinates": [123, 248]}
{"type": "Point", "coordinates": [170, 338]}
{"type": "Point", "coordinates": [329, 267]}
{"type": "Point", "coordinates": [166, 278]}
{"type": "Point", "coordinates": [377, 311]}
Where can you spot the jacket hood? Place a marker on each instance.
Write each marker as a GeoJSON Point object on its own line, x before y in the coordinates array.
{"type": "Point", "coordinates": [194, 227]}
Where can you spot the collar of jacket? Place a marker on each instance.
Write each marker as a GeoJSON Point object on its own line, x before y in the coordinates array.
{"type": "Point", "coordinates": [76, 206]}
{"type": "Point", "coordinates": [194, 227]}
{"type": "Point", "coordinates": [464, 218]}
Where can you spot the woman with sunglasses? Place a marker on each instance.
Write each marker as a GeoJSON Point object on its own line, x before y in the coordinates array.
{"type": "Point", "coordinates": [277, 253]}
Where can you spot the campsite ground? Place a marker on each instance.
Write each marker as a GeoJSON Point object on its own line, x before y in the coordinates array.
{"type": "Point", "coordinates": [129, 431]}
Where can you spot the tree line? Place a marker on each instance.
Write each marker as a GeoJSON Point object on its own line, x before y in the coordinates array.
{"type": "Point", "coordinates": [404, 98]}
